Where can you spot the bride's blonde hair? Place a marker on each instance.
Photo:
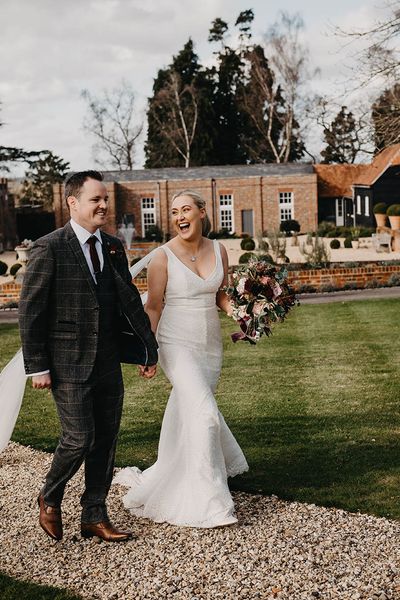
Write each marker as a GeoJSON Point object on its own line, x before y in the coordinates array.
{"type": "Point", "coordinates": [200, 203]}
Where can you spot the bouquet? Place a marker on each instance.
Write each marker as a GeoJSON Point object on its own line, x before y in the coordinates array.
{"type": "Point", "coordinates": [260, 297]}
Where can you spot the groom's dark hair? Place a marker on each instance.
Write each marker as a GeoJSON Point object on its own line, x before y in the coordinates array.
{"type": "Point", "coordinates": [74, 182]}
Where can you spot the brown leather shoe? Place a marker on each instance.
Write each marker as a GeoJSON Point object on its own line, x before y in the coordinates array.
{"type": "Point", "coordinates": [50, 519]}
{"type": "Point", "coordinates": [106, 531]}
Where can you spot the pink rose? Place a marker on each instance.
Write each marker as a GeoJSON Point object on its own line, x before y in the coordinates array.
{"type": "Point", "coordinates": [258, 308]}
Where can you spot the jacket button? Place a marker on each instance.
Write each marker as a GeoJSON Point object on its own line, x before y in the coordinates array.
{"type": "Point", "coordinates": [94, 333]}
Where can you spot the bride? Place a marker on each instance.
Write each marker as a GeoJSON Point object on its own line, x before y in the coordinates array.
{"type": "Point", "coordinates": [187, 485]}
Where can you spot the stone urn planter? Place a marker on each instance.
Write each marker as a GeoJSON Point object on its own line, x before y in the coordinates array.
{"type": "Point", "coordinates": [22, 253]}
{"type": "Point", "coordinates": [23, 250]}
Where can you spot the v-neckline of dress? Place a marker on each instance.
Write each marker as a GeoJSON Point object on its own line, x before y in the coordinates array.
{"type": "Point", "coordinates": [190, 270]}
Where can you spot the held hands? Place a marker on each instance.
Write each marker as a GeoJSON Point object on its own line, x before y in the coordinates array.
{"type": "Point", "coordinates": [42, 382]}
{"type": "Point", "coordinates": [147, 372]}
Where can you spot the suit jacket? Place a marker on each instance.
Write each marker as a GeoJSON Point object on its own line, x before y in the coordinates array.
{"type": "Point", "coordinates": [59, 310]}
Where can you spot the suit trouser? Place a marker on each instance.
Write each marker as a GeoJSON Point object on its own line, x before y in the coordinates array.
{"type": "Point", "coordinates": [90, 415]}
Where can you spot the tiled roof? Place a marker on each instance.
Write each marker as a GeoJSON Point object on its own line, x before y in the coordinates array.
{"type": "Point", "coordinates": [209, 172]}
{"type": "Point", "coordinates": [388, 157]}
{"type": "Point", "coordinates": [336, 180]}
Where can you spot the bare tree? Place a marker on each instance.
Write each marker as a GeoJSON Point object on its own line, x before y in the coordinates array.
{"type": "Point", "coordinates": [110, 120]}
{"type": "Point", "coordinates": [262, 100]}
{"type": "Point", "coordinates": [386, 118]}
{"type": "Point", "coordinates": [347, 132]}
{"type": "Point", "coordinates": [289, 58]}
{"type": "Point", "coordinates": [176, 112]}
{"type": "Point", "coordinates": [380, 57]}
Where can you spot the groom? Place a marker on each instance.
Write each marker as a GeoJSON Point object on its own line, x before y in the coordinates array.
{"type": "Point", "coordinates": [77, 285]}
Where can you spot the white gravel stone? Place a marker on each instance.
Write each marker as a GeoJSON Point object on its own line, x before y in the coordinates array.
{"type": "Point", "coordinates": [281, 550]}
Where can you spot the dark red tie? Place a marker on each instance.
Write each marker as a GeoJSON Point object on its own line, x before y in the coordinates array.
{"type": "Point", "coordinates": [94, 257]}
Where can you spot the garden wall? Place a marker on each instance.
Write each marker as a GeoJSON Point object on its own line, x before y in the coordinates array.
{"type": "Point", "coordinates": [341, 277]}
{"type": "Point", "coordinates": [371, 275]}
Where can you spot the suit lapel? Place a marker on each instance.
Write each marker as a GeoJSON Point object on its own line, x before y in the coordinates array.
{"type": "Point", "coordinates": [77, 250]}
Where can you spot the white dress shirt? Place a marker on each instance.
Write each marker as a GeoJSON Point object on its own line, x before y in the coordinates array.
{"type": "Point", "coordinates": [83, 235]}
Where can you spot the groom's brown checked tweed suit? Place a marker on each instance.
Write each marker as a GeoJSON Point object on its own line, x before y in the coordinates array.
{"type": "Point", "coordinates": [69, 325]}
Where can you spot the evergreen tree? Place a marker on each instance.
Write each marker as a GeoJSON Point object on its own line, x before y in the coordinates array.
{"type": "Point", "coordinates": [342, 144]}
{"type": "Point", "coordinates": [264, 135]}
{"type": "Point", "coordinates": [229, 81]}
{"type": "Point", "coordinates": [42, 174]}
{"type": "Point", "coordinates": [182, 99]}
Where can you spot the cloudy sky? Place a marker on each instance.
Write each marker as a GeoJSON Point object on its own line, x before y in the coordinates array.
{"type": "Point", "coordinates": [52, 49]}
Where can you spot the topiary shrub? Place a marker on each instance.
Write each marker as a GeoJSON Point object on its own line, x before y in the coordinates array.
{"type": "Point", "coordinates": [290, 226]}
{"type": "Point", "coordinates": [3, 267]}
{"type": "Point", "coordinates": [244, 258]}
{"type": "Point", "coordinates": [380, 208]}
{"type": "Point", "coordinates": [393, 210]}
{"type": "Point", "coordinates": [247, 244]}
{"type": "Point", "coordinates": [14, 268]}
{"type": "Point", "coordinates": [335, 244]}
{"type": "Point", "coordinates": [347, 242]}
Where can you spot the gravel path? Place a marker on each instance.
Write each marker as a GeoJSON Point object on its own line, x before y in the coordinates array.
{"type": "Point", "coordinates": [283, 550]}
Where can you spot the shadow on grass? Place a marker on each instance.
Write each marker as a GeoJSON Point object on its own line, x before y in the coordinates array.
{"type": "Point", "coordinates": [341, 461]}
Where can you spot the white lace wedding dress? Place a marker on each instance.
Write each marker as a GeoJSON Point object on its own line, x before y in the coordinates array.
{"type": "Point", "coordinates": [187, 485]}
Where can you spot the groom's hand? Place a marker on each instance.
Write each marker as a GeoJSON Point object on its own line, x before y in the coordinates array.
{"type": "Point", "coordinates": [41, 382]}
{"type": "Point", "coordinates": [147, 372]}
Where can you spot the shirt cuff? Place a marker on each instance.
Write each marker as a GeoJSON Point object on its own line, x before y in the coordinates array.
{"type": "Point", "coordinates": [40, 373]}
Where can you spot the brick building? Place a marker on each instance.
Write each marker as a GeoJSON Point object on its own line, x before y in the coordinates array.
{"type": "Point", "coordinates": [244, 198]}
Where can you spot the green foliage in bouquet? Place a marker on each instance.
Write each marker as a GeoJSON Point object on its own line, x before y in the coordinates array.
{"type": "Point", "coordinates": [260, 296]}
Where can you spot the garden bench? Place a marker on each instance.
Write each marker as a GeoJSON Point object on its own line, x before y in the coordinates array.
{"type": "Point", "coordinates": [382, 242]}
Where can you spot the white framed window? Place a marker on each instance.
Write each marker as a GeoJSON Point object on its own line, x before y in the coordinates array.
{"type": "Point", "coordinates": [286, 206]}
{"type": "Point", "coordinates": [226, 219]}
{"type": "Point", "coordinates": [148, 210]}
{"type": "Point", "coordinates": [367, 207]}
{"type": "Point", "coordinates": [358, 204]}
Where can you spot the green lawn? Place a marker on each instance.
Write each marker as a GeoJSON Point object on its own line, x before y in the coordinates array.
{"type": "Point", "coordinates": [315, 407]}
